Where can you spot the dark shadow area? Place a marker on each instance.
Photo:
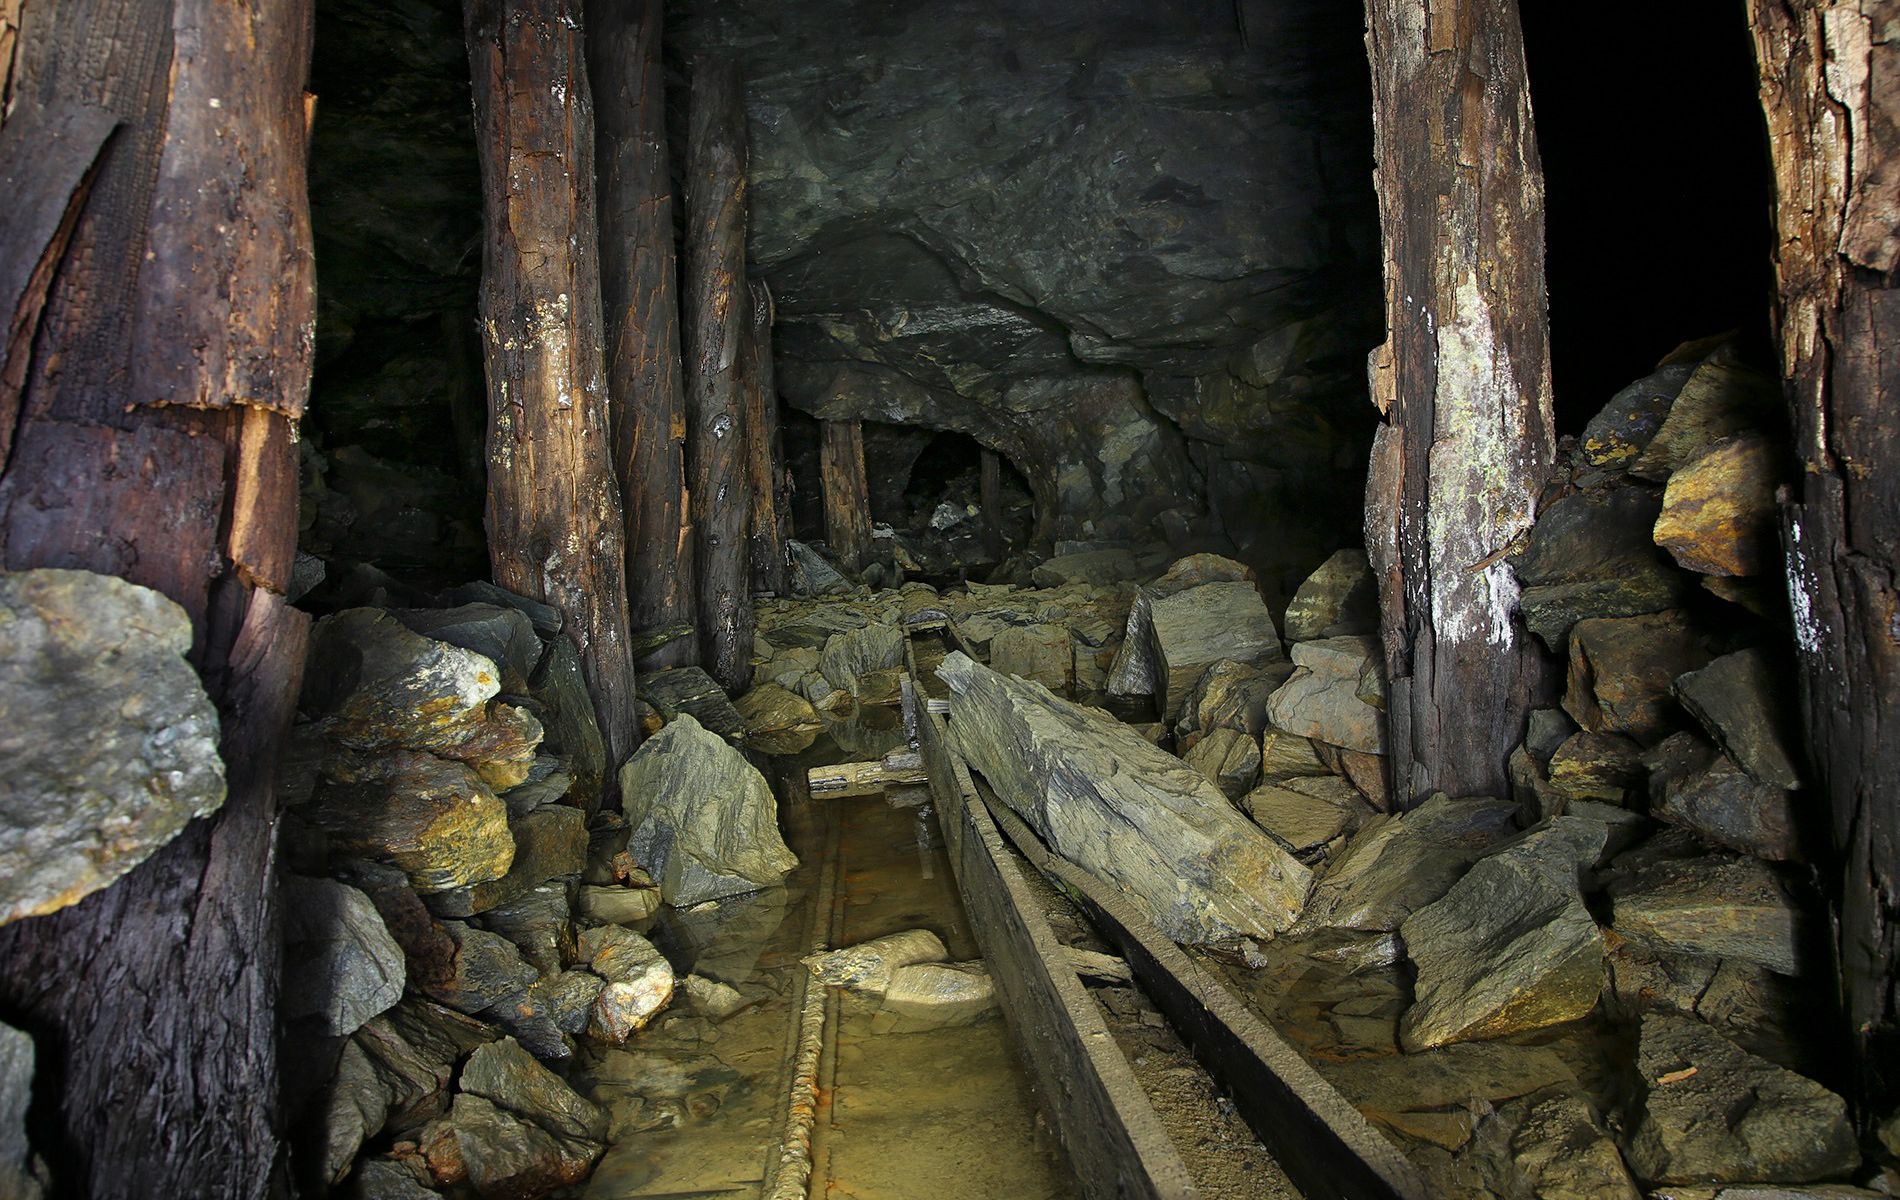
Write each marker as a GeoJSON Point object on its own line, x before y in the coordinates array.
{"type": "Point", "coordinates": [1658, 190]}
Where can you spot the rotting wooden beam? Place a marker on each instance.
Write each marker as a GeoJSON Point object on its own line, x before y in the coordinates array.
{"type": "Point", "coordinates": [157, 442]}
{"type": "Point", "coordinates": [990, 499]}
{"type": "Point", "coordinates": [839, 781]}
{"type": "Point", "coordinates": [555, 528]}
{"type": "Point", "coordinates": [1463, 384]}
{"type": "Point", "coordinates": [764, 455]}
{"type": "Point", "coordinates": [1828, 75]}
{"type": "Point", "coordinates": [640, 302]}
{"type": "Point", "coordinates": [847, 494]}
{"type": "Point", "coordinates": [716, 316]}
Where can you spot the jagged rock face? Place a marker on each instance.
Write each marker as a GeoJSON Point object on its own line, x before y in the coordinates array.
{"type": "Point", "coordinates": [1076, 232]}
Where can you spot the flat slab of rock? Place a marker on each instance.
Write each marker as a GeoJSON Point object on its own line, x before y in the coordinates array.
{"type": "Point", "coordinates": [1324, 698]}
{"type": "Point", "coordinates": [1194, 629]}
{"type": "Point", "coordinates": [690, 692]}
{"type": "Point", "coordinates": [1720, 906]}
{"type": "Point", "coordinates": [110, 742]}
{"type": "Point", "coordinates": [1621, 670]}
{"type": "Point", "coordinates": [340, 964]}
{"type": "Point", "coordinates": [1115, 805]}
{"type": "Point", "coordinates": [705, 823]}
{"type": "Point", "coordinates": [1510, 947]}
{"type": "Point", "coordinates": [1100, 567]}
{"type": "Point", "coordinates": [1044, 653]}
{"type": "Point", "coordinates": [1305, 823]}
{"type": "Point", "coordinates": [1133, 672]}
{"type": "Point", "coordinates": [1738, 700]}
{"type": "Point", "coordinates": [1693, 785]}
{"type": "Point", "coordinates": [1337, 600]}
{"type": "Point", "coordinates": [1396, 865]}
{"type": "Point", "coordinates": [1715, 1113]}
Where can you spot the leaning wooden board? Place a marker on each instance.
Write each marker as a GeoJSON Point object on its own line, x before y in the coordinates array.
{"type": "Point", "coordinates": [1326, 1147]}
{"type": "Point", "coordinates": [1115, 1142]}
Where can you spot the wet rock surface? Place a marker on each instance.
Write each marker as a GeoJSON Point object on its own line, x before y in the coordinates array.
{"type": "Point", "coordinates": [110, 741]}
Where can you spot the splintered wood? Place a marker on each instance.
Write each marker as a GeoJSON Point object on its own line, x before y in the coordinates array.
{"type": "Point", "coordinates": [844, 780]}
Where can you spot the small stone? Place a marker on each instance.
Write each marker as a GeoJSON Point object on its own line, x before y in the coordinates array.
{"type": "Point", "coordinates": [1230, 760]}
{"type": "Point", "coordinates": [690, 692]}
{"type": "Point", "coordinates": [1042, 653]}
{"type": "Point", "coordinates": [778, 721]}
{"type": "Point", "coordinates": [110, 742]}
{"type": "Point", "coordinates": [869, 966]}
{"type": "Point", "coordinates": [432, 817]}
{"type": "Point", "coordinates": [545, 618]}
{"type": "Point", "coordinates": [1549, 727]}
{"type": "Point", "coordinates": [639, 981]}
{"type": "Point", "coordinates": [547, 783]}
{"type": "Point", "coordinates": [1306, 824]}
{"type": "Point", "coordinates": [1718, 514]}
{"type": "Point", "coordinates": [1720, 907]}
{"type": "Point", "coordinates": [1337, 600]}
{"type": "Point", "coordinates": [619, 905]}
{"type": "Point", "coordinates": [341, 966]}
{"type": "Point", "coordinates": [704, 821]}
{"type": "Point", "coordinates": [1510, 947]}
{"type": "Point", "coordinates": [1552, 610]}
{"type": "Point", "coordinates": [712, 999]}
{"type": "Point", "coordinates": [1739, 700]}
{"type": "Point", "coordinates": [1322, 699]}
{"type": "Point", "coordinates": [1716, 1114]}
{"type": "Point", "coordinates": [937, 996]}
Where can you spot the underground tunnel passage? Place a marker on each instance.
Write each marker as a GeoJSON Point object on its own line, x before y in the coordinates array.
{"type": "Point", "coordinates": [1246, 598]}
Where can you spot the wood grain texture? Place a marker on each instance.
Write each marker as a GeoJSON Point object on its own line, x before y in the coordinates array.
{"type": "Point", "coordinates": [1830, 88]}
{"type": "Point", "coordinates": [847, 493]}
{"type": "Point", "coordinates": [717, 313]}
{"type": "Point", "coordinates": [555, 528]}
{"type": "Point", "coordinates": [155, 999]}
{"type": "Point", "coordinates": [764, 455]}
{"type": "Point", "coordinates": [639, 284]}
{"type": "Point", "coordinates": [1463, 382]}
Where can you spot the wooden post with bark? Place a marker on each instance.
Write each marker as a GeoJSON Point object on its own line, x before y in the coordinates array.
{"type": "Point", "coordinates": [1830, 86]}
{"type": "Point", "coordinates": [1463, 382]}
{"type": "Point", "coordinates": [764, 458]}
{"type": "Point", "coordinates": [555, 530]}
{"type": "Point", "coordinates": [990, 499]}
{"type": "Point", "coordinates": [847, 493]}
{"type": "Point", "coordinates": [640, 300]}
{"type": "Point", "coordinates": [158, 364]}
{"type": "Point", "coordinates": [717, 314]}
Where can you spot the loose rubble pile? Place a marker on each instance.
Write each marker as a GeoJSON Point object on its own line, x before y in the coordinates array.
{"type": "Point", "coordinates": [461, 912]}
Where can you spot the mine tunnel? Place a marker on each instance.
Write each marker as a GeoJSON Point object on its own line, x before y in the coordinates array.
{"type": "Point", "coordinates": [1238, 598]}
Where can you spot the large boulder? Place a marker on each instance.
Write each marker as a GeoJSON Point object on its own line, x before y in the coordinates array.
{"type": "Point", "coordinates": [432, 817]}
{"type": "Point", "coordinates": [1510, 947]}
{"type": "Point", "coordinates": [110, 742]}
{"type": "Point", "coordinates": [1133, 671]}
{"type": "Point", "coordinates": [705, 824]}
{"type": "Point", "coordinates": [1324, 699]}
{"type": "Point", "coordinates": [1117, 806]}
{"type": "Point", "coordinates": [1194, 629]}
{"type": "Point", "coordinates": [1337, 600]}
{"type": "Point", "coordinates": [1396, 865]}
{"type": "Point", "coordinates": [340, 964]}
{"type": "Point", "coordinates": [1715, 1113]}
{"type": "Point", "coordinates": [778, 721]}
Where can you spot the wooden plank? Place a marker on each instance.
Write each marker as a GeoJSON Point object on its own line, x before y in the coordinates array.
{"type": "Point", "coordinates": [763, 454]}
{"type": "Point", "coordinates": [838, 781]}
{"type": "Point", "coordinates": [1325, 1145]}
{"type": "Point", "coordinates": [1089, 1093]}
{"type": "Point", "coordinates": [847, 494]}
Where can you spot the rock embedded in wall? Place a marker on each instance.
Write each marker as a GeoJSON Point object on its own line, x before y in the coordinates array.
{"type": "Point", "coordinates": [1718, 514]}
{"type": "Point", "coordinates": [341, 965]}
{"type": "Point", "coordinates": [432, 817]}
{"type": "Point", "coordinates": [110, 740]}
{"type": "Point", "coordinates": [1693, 785]}
{"type": "Point", "coordinates": [1196, 628]}
{"type": "Point", "coordinates": [1324, 698]}
{"type": "Point", "coordinates": [1621, 670]}
{"type": "Point", "coordinates": [705, 824]}
{"type": "Point", "coordinates": [1717, 906]}
{"type": "Point", "coordinates": [1337, 600]}
{"type": "Point", "coordinates": [1740, 699]}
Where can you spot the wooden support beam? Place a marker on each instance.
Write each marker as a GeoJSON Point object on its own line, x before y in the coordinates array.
{"type": "Point", "coordinates": [1828, 76]}
{"type": "Point", "coordinates": [847, 494]}
{"type": "Point", "coordinates": [555, 530]}
{"type": "Point", "coordinates": [640, 302]}
{"type": "Point", "coordinates": [839, 781]}
{"type": "Point", "coordinates": [990, 499]}
{"type": "Point", "coordinates": [717, 315]}
{"type": "Point", "coordinates": [1463, 382]}
{"type": "Point", "coordinates": [764, 456]}
{"type": "Point", "coordinates": [157, 442]}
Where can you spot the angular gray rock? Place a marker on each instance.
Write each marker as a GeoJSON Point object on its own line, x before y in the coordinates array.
{"type": "Point", "coordinates": [536, 922]}
{"type": "Point", "coordinates": [1100, 567]}
{"type": "Point", "coordinates": [1043, 653]}
{"type": "Point", "coordinates": [778, 721]}
{"type": "Point", "coordinates": [848, 657]}
{"type": "Point", "coordinates": [382, 1080]}
{"type": "Point", "coordinates": [1590, 554]}
{"type": "Point", "coordinates": [1230, 760]}
{"type": "Point", "coordinates": [1337, 600]}
{"type": "Point", "coordinates": [1720, 906]}
{"type": "Point", "coordinates": [1304, 823]}
{"type": "Point", "coordinates": [1396, 865]}
{"type": "Point", "coordinates": [1229, 695]}
{"type": "Point", "coordinates": [340, 964]}
{"type": "Point", "coordinates": [110, 743]}
{"type": "Point", "coordinates": [1133, 671]}
{"type": "Point", "coordinates": [508, 1076]}
{"type": "Point", "coordinates": [1323, 698]}
{"type": "Point", "coordinates": [486, 969]}
{"type": "Point", "coordinates": [502, 635]}
{"type": "Point", "coordinates": [705, 824]}
{"type": "Point", "coordinates": [1621, 669]}
{"type": "Point", "coordinates": [812, 575]}
{"type": "Point", "coordinates": [1624, 427]}
{"type": "Point", "coordinates": [432, 817]}
{"type": "Point", "coordinates": [16, 1093]}
{"type": "Point", "coordinates": [567, 716]}
{"type": "Point", "coordinates": [1740, 699]}
{"type": "Point", "coordinates": [1196, 628]}
{"type": "Point", "coordinates": [1115, 805]}
{"type": "Point", "coordinates": [501, 1154]}
{"type": "Point", "coordinates": [1716, 1114]}
{"type": "Point", "coordinates": [1697, 787]}
{"type": "Point", "coordinates": [550, 842]}
{"type": "Point", "coordinates": [1510, 947]}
